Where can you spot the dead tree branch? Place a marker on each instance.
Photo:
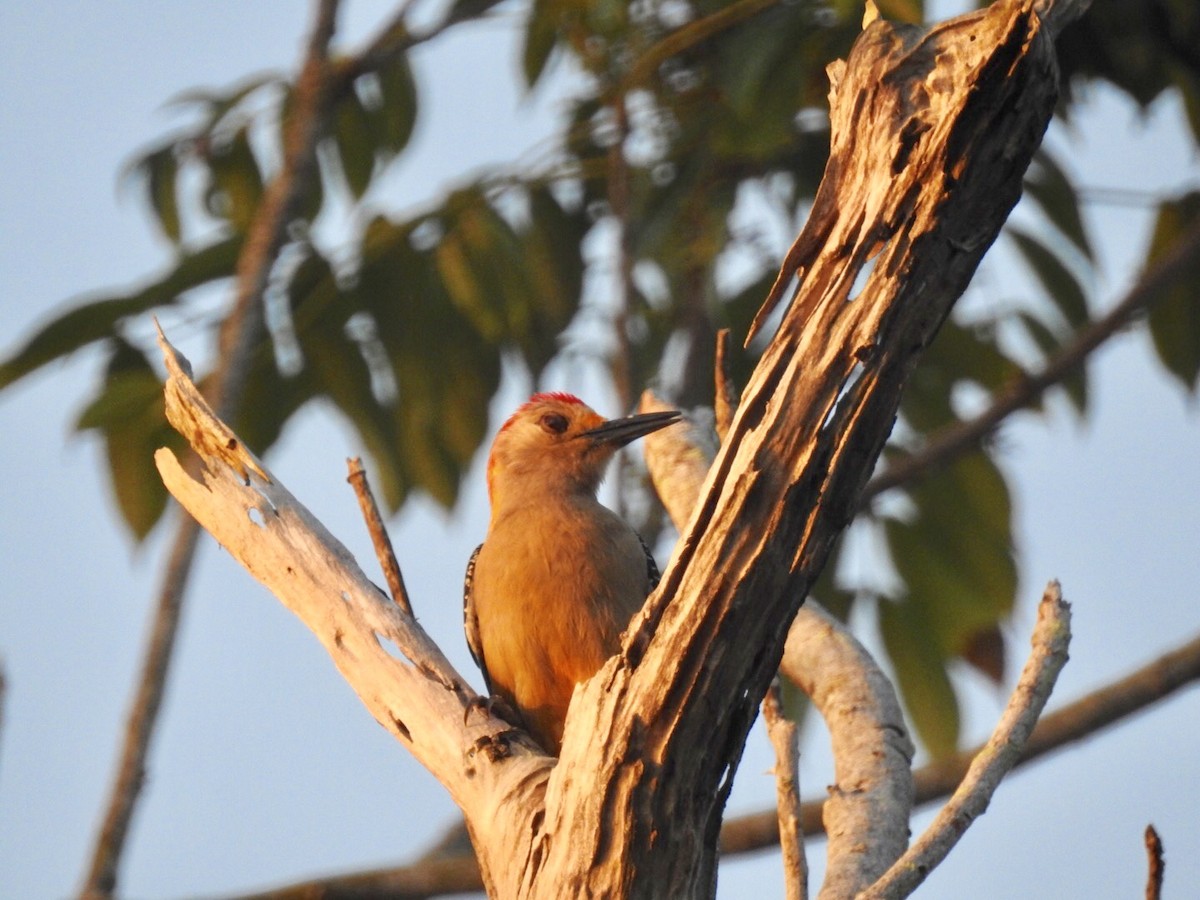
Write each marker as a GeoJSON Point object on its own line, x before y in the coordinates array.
{"type": "Point", "coordinates": [379, 536]}
{"type": "Point", "coordinates": [1156, 865]}
{"type": "Point", "coordinates": [240, 333]}
{"type": "Point", "coordinates": [867, 811]}
{"type": "Point", "coordinates": [784, 736]}
{"type": "Point", "coordinates": [1051, 638]}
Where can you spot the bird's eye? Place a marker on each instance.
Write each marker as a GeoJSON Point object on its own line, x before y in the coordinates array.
{"type": "Point", "coordinates": [555, 422]}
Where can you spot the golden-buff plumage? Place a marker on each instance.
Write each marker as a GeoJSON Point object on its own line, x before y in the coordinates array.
{"type": "Point", "coordinates": [559, 575]}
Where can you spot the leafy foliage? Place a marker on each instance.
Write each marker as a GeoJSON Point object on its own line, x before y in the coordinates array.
{"type": "Point", "coordinates": [127, 410]}
{"type": "Point", "coordinates": [1175, 318]}
{"type": "Point", "coordinates": [1143, 47]}
{"type": "Point", "coordinates": [691, 117]}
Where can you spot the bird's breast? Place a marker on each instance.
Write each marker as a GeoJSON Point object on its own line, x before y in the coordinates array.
{"type": "Point", "coordinates": [554, 588]}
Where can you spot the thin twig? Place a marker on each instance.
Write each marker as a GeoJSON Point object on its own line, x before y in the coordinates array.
{"type": "Point", "coordinates": [241, 332]}
{"type": "Point", "coordinates": [1157, 865]}
{"type": "Point", "coordinates": [379, 535]}
{"type": "Point", "coordinates": [952, 441]}
{"type": "Point", "coordinates": [1051, 638]}
{"type": "Point", "coordinates": [725, 394]}
{"type": "Point", "coordinates": [783, 735]}
{"type": "Point", "coordinates": [868, 808]}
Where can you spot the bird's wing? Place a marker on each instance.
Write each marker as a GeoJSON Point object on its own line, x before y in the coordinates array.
{"type": "Point", "coordinates": [471, 619]}
{"type": "Point", "coordinates": [652, 573]}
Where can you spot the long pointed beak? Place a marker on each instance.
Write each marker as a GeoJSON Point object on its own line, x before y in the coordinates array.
{"type": "Point", "coordinates": [620, 432]}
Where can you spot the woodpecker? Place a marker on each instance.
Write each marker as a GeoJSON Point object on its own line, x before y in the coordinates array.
{"type": "Point", "coordinates": [558, 576]}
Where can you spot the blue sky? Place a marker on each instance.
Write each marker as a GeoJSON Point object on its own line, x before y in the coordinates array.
{"type": "Point", "coordinates": [266, 767]}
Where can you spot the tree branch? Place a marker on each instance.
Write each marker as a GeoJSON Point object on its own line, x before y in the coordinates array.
{"type": "Point", "coordinates": [1051, 638]}
{"type": "Point", "coordinates": [240, 333]}
{"type": "Point", "coordinates": [395, 38]}
{"type": "Point", "coordinates": [920, 184]}
{"type": "Point", "coordinates": [1076, 721]}
{"type": "Point", "coordinates": [783, 734]}
{"type": "Point", "coordinates": [379, 536]}
{"type": "Point", "coordinates": [866, 814]}
{"type": "Point", "coordinates": [1155, 864]}
{"type": "Point", "coordinates": [3, 696]}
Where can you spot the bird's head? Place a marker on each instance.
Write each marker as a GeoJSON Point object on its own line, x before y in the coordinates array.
{"type": "Point", "coordinates": [557, 441]}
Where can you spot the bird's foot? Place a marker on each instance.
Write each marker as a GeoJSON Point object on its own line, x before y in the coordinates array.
{"type": "Point", "coordinates": [494, 705]}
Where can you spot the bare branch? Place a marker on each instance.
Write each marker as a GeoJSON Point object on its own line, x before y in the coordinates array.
{"type": "Point", "coordinates": [3, 697]}
{"type": "Point", "coordinates": [426, 878]}
{"type": "Point", "coordinates": [395, 38]}
{"type": "Point", "coordinates": [1051, 637]}
{"type": "Point", "coordinates": [678, 460]}
{"type": "Point", "coordinates": [379, 536]}
{"type": "Point", "coordinates": [867, 812]}
{"type": "Point", "coordinates": [756, 831]}
{"type": "Point", "coordinates": [1157, 866]}
{"type": "Point", "coordinates": [240, 333]}
{"type": "Point", "coordinates": [724, 392]}
{"type": "Point", "coordinates": [396, 670]}
{"type": "Point", "coordinates": [783, 735]}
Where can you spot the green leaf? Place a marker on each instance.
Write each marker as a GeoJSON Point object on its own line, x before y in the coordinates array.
{"type": "Point", "coordinates": [355, 141]}
{"type": "Point", "coordinates": [1188, 82]}
{"type": "Point", "coordinates": [1048, 186]}
{"type": "Point", "coordinates": [1175, 312]}
{"type": "Point", "coordinates": [128, 411]}
{"type": "Point", "coordinates": [236, 184]}
{"type": "Point", "coordinates": [445, 372]}
{"type": "Point", "coordinates": [398, 91]}
{"type": "Point", "coordinates": [485, 268]}
{"type": "Point", "coordinates": [956, 558]}
{"type": "Point", "coordinates": [541, 37]}
{"type": "Point", "coordinates": [985, 652]}
{"type": "Point", "coordinates": [160, 170]}
{"type": "Point", "coordinates": [553, 258]}
{"type": "Point", "coordinates": [1059, 283]}
{"type": "Point", "coordinates": [217, 105]}
{"type": "Point", "coordinates": [91, 321]}
{"type": "Point", "coordinates": [921, 675]}
{"type": "Point", "coordinates": [959, 353]}
{"type": "Point", "coordinates": [270, 397]}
